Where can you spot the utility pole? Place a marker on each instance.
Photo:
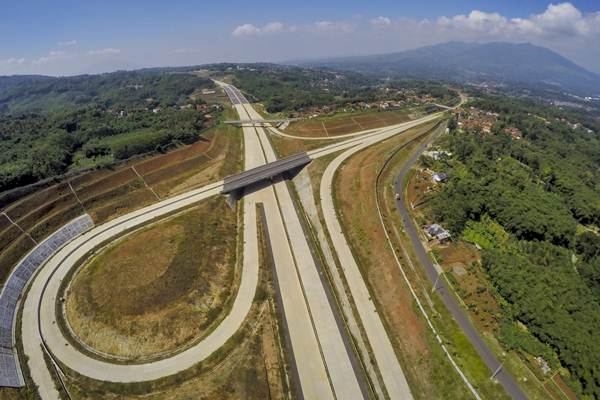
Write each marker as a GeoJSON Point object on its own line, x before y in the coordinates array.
{"type": "Point", "coordinates": [18, 227]}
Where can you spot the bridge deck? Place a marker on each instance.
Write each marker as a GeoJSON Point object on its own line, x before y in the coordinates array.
{"type": "Point", "coordinates": [235, 96]}
{"type": "Point", "coordinates": [260, 121]}
{"type": "Point", "coordinates": [267, 171]}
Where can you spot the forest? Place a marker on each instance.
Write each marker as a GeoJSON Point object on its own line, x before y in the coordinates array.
{"type": "Point", "coordinates": [49, 126]}
{"type": "Point", "coordinates": [285, 88]}
{"type": "Point", "coordinates": [533, 206]}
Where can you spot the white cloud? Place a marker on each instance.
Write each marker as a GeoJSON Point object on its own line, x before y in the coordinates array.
{"type": "Point", "coordinates": [272, 27]}
{"type": "Point", "coordinates": [52, 56]}
{"type": "Point", "coordinates": [248, 30]}
{"type": "Point", "coordinates": [332, 26]}
{"type": "Point", "coordinates": [380, 22]}
{"type": "Point", "coordinates": [477, 21]}
{"type": "Point", "coordinates": [562, 19]}
{"type": "Point", "coordinates": [68, 43]}
{"type": "Point", "coordinates": [104, 52]}
{"type": "Point", "coordinates": [245, 30]}
{"type": "Point", "coordinates": [12, 61]}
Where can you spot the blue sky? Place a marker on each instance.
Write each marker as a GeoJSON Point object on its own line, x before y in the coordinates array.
{"type": "Point", "coordinates": [71, 37]}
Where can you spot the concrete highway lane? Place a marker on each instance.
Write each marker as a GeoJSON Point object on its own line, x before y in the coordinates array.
{"type": "Point", "coordinates": [302, 289]}
{"type": "Point", "coordinates": [325, 364]}
{"type": "Point", "coordinates": [384, 355]}
{"type": "Point", "coordinates": [507, 381]}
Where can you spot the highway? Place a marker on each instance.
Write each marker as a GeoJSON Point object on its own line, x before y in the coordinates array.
{"type": "Point", "coordinates": [323, 361]}
{"type": "Point", "coordinates": [321, 355]}
{"type": "Point", "coordinates": [317, 341]}
{"type": "Point", "coordinates": [385, 357]}
{"type": "Point", "coordinates": [458, 313]}
{"type": "Point", "coordinates": [39, 306]}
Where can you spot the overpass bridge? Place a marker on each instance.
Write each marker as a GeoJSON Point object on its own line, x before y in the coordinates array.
{"type": "Point", "coordinates": [234, 185]}
{"type": "Point", "coordinates": [260, 122]}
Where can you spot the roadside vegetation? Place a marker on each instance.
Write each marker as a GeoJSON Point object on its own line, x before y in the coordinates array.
{"type": "Point", "coordinates": [428, 371]}
{"type": "Point", "coordinates": [531, 206]}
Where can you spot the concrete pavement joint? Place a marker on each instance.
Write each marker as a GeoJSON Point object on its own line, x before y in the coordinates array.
{"type": "Point", "coordinates": [281, 313]}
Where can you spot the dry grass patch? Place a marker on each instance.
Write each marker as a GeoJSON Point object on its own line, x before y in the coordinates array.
{"type": "Point", "coordinates": [158, 289]}
{"type": "Point", "coordinates": [287, 146]}
{"type": "Point", "coordinates": [251, 365]}
{"type": "Point", "coordinates": [345, 123]}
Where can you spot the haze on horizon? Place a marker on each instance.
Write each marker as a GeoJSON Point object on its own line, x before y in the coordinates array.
{"type": "Point", "coordinates": [71, 37]}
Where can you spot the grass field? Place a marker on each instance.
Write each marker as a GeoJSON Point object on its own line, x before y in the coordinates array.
{"type": "Point", "coordinates": [158, 289]}
{"type": "Point", "coordinates": [344, 123]}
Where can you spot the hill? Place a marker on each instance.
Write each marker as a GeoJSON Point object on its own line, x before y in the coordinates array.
{"type": "Point", "coordinates": [503, 63]}
{"type": "Point", "coordinates": [122, 89]}
{"type": "Point", "coordinates": [50, 126]}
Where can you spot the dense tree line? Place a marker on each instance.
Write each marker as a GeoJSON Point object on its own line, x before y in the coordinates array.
{"type": "Point", "coordinates": [283, 88]}
{"type": "Point", "coordinates": [113, 122]}
{"type": "Point", "coordinates": [533, 205]}
{"type": "Point", "coordinates": [119, 90]}
{"type": "Point", "coordinates": [288, 88]}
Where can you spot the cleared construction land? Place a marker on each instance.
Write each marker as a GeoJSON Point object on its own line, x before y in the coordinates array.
{"type": "Point", "coordinates": [345, 123]}
{"type": "Point", "coordinates": [251, 365]}
{"type": "Point", "coordinates": [108, 193]}
{"type": "Point", "coordinates": [355, 195]}
{"type": "Point", "coordinates": [160, 288]}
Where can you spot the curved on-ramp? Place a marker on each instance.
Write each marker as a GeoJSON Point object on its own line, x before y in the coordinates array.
{"type": "Point", "coordinates": [383, 351]}
{"type": "Point", "coordinates": [39, 306]}
{"type": "Point", "coordinates": [42, 331]}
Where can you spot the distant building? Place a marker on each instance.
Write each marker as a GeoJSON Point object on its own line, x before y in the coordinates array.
{"type": "Point", "coordinates": [543, 365]}
{"type": "Point", "coordinates": [438, 154]}
{"type": "Point", "coordinates": [439, 177]}
{"type": "Point", "coordinates": [435, 231]}
{"type": "Point", "coordinates": [515, 133]}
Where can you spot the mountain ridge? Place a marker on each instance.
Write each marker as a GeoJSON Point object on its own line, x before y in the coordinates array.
{"type": "Point", "coordinates": [506, 63]}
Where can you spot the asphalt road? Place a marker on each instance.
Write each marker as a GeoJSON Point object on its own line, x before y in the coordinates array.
{"type": "Point", "coordinates": [507, 381]}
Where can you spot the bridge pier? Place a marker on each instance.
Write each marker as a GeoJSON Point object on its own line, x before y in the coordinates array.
{"type": "Point", "coordinates": [234, 186]}
{"type": "Point", "coordinates": [233, 197]}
